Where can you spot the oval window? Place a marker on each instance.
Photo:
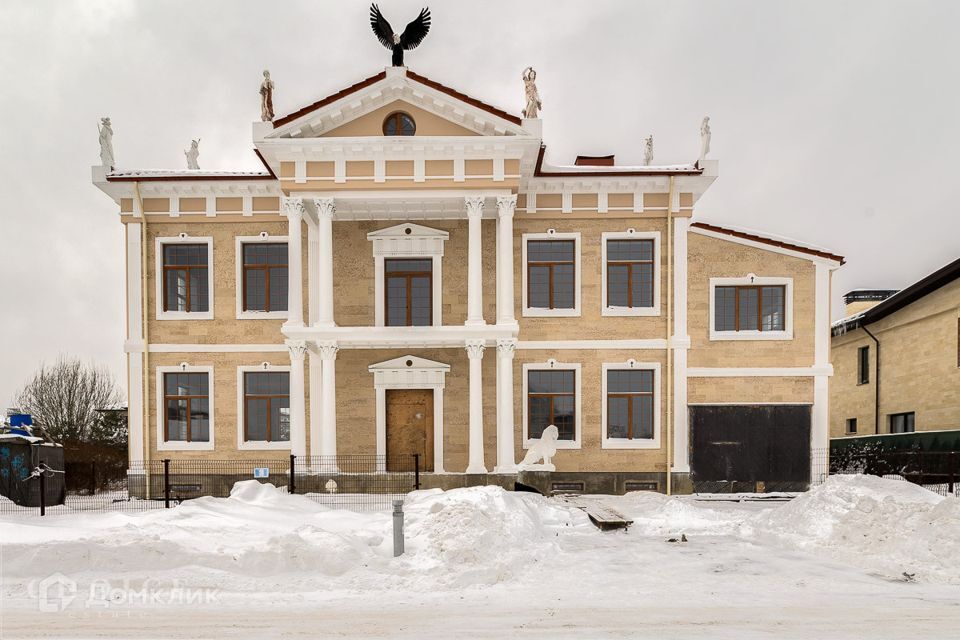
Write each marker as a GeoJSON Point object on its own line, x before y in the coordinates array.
{"type": "Point", "coordinates": [399, 123]}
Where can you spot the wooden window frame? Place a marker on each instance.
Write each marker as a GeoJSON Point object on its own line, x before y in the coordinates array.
{"type": "Point", "coordinates": [551, 395]}
{"type": "Point", "coordinates": [736, 303]}
{"type": "Point", "coordinates": [160, 280]}
{"type": "Point", "coordinates": [398, 117]}
{"type": "Point", "coordinates": [904, 415]}
{"type": "Point", "coordinates": [863, 365]}
{"type": "Point", "coordinates": [629, 263]}
{"type": "Point", "coordinates": [244, 268]}
{"type": "Point", "coordinates": [526, 368]}
{"type": "Point", "coordinates": [166, 408]}
{"type": "Point", "coordinates": [187, 268]}
{"type": "Point", "coordinates": [607, 442]}
{"type": "Point", "coordinates": [629, 396]}
{"type": "Point", "coordinates": [261, 396]}
{"type": "Point", "coordinates": [408, 276]}
{"type": "Point", "coordinates": [550, 265]}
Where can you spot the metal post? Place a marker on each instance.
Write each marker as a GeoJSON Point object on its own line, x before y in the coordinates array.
{"type": "Point", "coordinates": [93, 478]}
{"type": "Point", "coordinates": [166, 483]}
{"type": "Point", "coordinates": [416, 471]}
{"type": "Point", "coordinates": [397, 528]}
{"type": "Point", "coordinates": [293, 482]}
{"type": "Point", "coordinates": [920, 464]}
{"type": "Point", "coordinates": [953, 469]}
{"type": "Point", "coordinates": [43, 489]}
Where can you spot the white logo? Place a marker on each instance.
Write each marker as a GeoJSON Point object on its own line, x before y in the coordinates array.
{"type": "Point", "coordinates": [56, 592]}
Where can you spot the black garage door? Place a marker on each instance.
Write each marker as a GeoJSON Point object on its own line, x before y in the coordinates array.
{"type": "Point", "coordinates": [736, 447]}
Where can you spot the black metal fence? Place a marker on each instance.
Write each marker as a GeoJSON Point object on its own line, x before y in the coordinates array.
{"type": "Point", "coordinates": [938, 471]}
{"type": "Point", "coordinates": [358, 482]}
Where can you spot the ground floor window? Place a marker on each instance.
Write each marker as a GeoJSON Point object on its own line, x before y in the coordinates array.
{"type": "Point", "coordinates": [902, 422]}
{"type": "Point", "coordinates": [630, 404]}
{"type": "Point", "coordinates": [266, 403]}
{"type": "Point", "coordinates": [851, 425]}
{"type": "Point", "coordinates": [186, 407]}
{"type": "Point", "coordinates": [551, 400]}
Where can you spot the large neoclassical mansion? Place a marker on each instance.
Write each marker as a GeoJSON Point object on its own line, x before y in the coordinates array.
{"type": "Point", "coordinates": [410, 274]}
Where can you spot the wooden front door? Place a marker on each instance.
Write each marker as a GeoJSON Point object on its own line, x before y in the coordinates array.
{"type": "Point", "coordinates": [409, 428]}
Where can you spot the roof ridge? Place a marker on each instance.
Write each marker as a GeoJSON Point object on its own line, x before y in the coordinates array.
{"type": "Point", "coordinates": [771, 241]}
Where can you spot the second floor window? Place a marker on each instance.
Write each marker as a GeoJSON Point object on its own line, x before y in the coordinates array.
{"type": "Point", "coordinates": [551, 274]}
{"type": "Point", "coordinates": [863, 365]}
{"type": "Point", "coordinates": [266, 406]}
{"type": "Point", "coordinates": [186, 399]}
{"type": "Point", "coordinates": [185, 273]}
{"type": "Point", "coordinates": [749, 308]}
{"type": "Point", "coordinates": [409, 292]}
{"type": "Point", "coordinates": [630, 273]}
{"type": "Point", "coordinates": [265, 277]}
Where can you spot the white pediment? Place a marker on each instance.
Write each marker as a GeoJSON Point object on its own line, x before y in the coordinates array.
{"type": "Point", "coordinates": [409, 363]}
{"type": "Point", "coordinates": [408, 230]}
{"type": "Point", "coordinates": [408, 240]}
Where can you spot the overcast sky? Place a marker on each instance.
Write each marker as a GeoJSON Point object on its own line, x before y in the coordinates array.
{"type": "Point", "coordinates": [835, 123]}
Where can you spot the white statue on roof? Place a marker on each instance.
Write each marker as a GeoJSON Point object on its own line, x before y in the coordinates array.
{"type": "Point", "coordinates": [648, 151]}
{"type": "Point", "coordinates": [106, 144]}
{"type": "Point", "coordinates": [704, 139]}
{"type": "Point", "coordinates": [534, 103]}
{"type": "Point", "coordinates": [543, 449]}
{"type": "Point", "coordinates": [192, 154]}
{"type": "Point", "coordinates": [266, 97]}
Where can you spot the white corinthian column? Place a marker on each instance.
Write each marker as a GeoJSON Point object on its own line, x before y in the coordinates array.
{"type": "Point", "coordinates": [505, 208]}
{"type": "Point", "coordinates": [325, 210]}
{"type": "Point", "coordinates": [506, 462]}
{"type": "Point", "coordinates": [298, 417]}
{"type": "Point", "coordinates": [474, 261]}
{"type": "Point", "coordinates": [328, 403]}
{"type": "Point", "coordinates": [293, 210]}
{"type": "Point", "coordinates": [475, 355]}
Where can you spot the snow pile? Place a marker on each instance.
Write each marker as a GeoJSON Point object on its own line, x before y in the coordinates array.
{"type": "Point", "coordinates": [658, 515]}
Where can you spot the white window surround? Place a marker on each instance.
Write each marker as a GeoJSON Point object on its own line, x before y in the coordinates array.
{"type": "Point", "coordinates": [183, 367]}
{"type": "Point", "coordinates": [183, 238]}
{"type": "Point", "coordinates": [408, 241]}
{"type": "Point", "coordinates": [751, 280]}
{"type": "Point", "coordinates": [255, 445]}
{"type": "Point", "coordinates": [254, 315]}
{"type": "Point", "coordinates": [561, 366]}
{"type": "Point", "coordinates": [631, 234]}
{"type": "Point", "coordinates": [627, 443]}
{"type": "Point", "coordinates": [537, 312]}
{"type": "Point", "coordinates": [409, 372]}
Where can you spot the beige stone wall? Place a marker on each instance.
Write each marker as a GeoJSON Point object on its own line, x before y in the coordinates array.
{"type": "Point", "coordinates": [428, 123]}
{"type": "Point", "coordinates": [714, 258]}
{"type": "Point", "coordinates": [848, 398]}
{"type": "Point", "coordinates": [759, 390]}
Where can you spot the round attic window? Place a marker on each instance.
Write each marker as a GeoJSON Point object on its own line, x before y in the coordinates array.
{"type": "Point", "coordinates": [399, 123]}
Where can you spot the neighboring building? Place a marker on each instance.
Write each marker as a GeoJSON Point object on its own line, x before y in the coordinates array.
{"type": "Point", "coordinates": [409, 274]}
{"type": "Point", "coordinates": [896, 359]}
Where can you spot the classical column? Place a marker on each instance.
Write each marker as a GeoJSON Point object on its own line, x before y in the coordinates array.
{"type": "Point", "coordinates": [506, 460]}
{"type": "Point", "coordinates": [474, 261]}
{"type": "Point", "coordinates": [680, 343]}
{"type": "Point", "coordinates": [293, 209]}
{"type": "Point", "coordinates": [475, 355]}
{"type": "Point", "coordinates": [316, 433]}
{"type": "Point", "coordinates": [505, 302]}
{"type": "Point", "coordinates": [325, 209]}
{"type": "Point", "coordinates": [328, 402]}
{"type": "Point", "coordinates": [298, 418]}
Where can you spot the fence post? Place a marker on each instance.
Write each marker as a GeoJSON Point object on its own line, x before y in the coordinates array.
{"type": "Point", "coordinates": [166, 483]}
{"type": "Point", "coordinates": [43, 489]}
{"type": "Point", "coordinates": [920, 465]}
{"type": "Point", "coordinates": [293, 482]}
{"type": "Point", "coordinates": [416, 471]}
{"type": "Point", "coordinates": [397, 528]}
{"type": "Point", "coordinates": [952, 463]}
{"type": "Point", "coordinates": [93, 478]}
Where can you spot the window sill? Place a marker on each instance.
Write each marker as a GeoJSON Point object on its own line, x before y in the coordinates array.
{"type": "Point", "coordinates": [255, 445]}
{"type": "Point", "coordinates": [263, 315]}
{"type": "Point", "coordinates": [537, 312]}
{"type": "Point", "coordinates": [185, 446]}
{"type": "Point", "coordinates": [561, 444]}
{"type": "Point", "coordinates": [750, 335]}
{"type": "Point", "coordinates": [630, 311]}
{"type": "Point", "coordinates": [626, 443]}
{"type": "Point", "coordinates": [185, 315]}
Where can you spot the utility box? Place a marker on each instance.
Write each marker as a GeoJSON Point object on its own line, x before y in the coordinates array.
{"type": "Point", "coordinates": [19, 456]}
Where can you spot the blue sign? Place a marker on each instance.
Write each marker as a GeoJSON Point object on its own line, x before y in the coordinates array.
{"type": "Point", "coordinates": [261, 472]}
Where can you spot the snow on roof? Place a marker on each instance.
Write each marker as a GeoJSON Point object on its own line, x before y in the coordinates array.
{"type": "Point", "coordinates": [189, 174]}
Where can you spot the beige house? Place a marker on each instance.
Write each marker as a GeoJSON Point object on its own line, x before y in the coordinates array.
{"type": "Point", "coordinates": [411, 275]}
{"type": "Point", "coordinates": [897, 359]}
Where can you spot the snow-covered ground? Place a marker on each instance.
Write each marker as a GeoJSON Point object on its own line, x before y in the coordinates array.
{"type": "Point", "coordinates": [856, 557]}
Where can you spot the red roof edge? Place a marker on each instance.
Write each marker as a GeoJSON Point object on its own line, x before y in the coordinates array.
{"type": "Point", "coordinates": [264, 161]}
{"type": "Point", "coordinates": [540, 173]}
{"type": "Point", "coordinates": [500, 113]}
{"type": "Point", "coordinates": [775, 243]}
{"type": "Point", "coordinates": [279, 122]}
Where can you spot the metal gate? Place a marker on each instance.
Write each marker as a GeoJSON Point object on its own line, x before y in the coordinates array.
{"type": "Point", "coordinates": [750, 448]}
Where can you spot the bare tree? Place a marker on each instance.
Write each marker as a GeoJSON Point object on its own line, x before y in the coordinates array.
{"type": "Point", "coordinates": [66, 399]}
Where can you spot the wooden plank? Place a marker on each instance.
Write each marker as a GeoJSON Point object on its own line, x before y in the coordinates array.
{"type": "Point", "coordinates": [601, 515]}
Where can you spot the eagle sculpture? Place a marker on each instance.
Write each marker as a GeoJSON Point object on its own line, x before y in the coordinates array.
{"type": "Point", "coordinates": [413, 35]}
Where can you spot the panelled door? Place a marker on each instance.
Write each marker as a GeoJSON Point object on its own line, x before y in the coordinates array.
{"type": "Point", "coordinates": [409, 428]}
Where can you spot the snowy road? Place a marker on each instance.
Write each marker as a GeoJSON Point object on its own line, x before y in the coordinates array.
{"type": "Point", "coordinates": [485, 565]}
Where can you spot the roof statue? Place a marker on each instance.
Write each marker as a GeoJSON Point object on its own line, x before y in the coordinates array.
{"type": "Point", "coordinates": [533, 104]}
{"type": "Point", "coordinates": [106, 144]}
{"type": "Point", "coordinates": [192, 154]}
{"type": "Point", "coordinates": [704, 140]}
{"type": "Point", "coordinates": [412, 36]}
{"type": "Point", "coordinates": [266, 97]}
{"type": "Point", "coordinates": [648, 151]}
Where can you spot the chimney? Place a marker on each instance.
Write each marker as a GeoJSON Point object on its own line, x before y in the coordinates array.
{"type": "Point", "coordinates": [859, 300]}
{"type": "Point", "coordinates": [594, 161]}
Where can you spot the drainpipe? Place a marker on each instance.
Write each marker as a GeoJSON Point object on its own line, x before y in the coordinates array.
{"type": "Point", "coordinates": [668, 407]}
{"type": "Point", "coordinates": [876, 385]}
{"type": "Point", "coordinates": [146, 340]}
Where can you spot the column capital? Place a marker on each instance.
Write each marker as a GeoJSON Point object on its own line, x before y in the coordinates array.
{"type": "Point", "coordinates": [475, 349]}
{"type": "Point", "coordinates": [506, 347]}
{"type": "Point", "coordinates": [325, 207]}
{"type": "Point", "coordinates": [506, 205]}
{"type": "Point", "coordinates": [297, 349]}
{"type": "Point", "coordinates": [292, 207]}
{"type": "Point", "coordinates": [474, 206]}
{"type": "Point", "coordinates": [327, 349]}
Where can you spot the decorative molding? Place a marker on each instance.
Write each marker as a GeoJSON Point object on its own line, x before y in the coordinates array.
{"type": "Point", "coordinates": [506, 205]}
{"type": "Point", "coordinates": [327, 349]}
{"type": "Point", "coordinates": [408, 241]}
{"type": "Point", "coordinates": [297, 349]}
{"type": "Point", "coordinates": [759, 372]}
{"type": "Point", "coordinates": [551, 345]}
{"type": "Point", "coordinates": [474, 206]}
{"type": "Point", "coordinates": [506, 347]}
{"type": "Point", "coordinates": [325, 207]}
{"type": "Point", "coordinates": [215, 348]}
{"type": "Point", "coordinates": [475, 349]}
{"type": "Point", "coordinates": [292, 207]}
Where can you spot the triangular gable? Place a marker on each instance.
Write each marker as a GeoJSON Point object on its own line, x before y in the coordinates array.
{"type": "Point", "coordinates": [395, 84]}
{"type": "Point", "coordinates": [409, 363]}
{"type": "Point", "coordinates": [371, 124]}
{"type": "Point", "coordinates": [408, 230]}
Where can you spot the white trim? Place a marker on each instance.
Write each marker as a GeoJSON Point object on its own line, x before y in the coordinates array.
{"type": "Point", "coordinates": [680, 342]}
{"type": "Point", "coordinates": [257, 445]}
{"type": "Point", "coordinates": [238, 283]}
{"type": "Point", "coordinates": [163, 445]}
{"type": "Point", "coordinates": [626, 443]}
{"type": "Point", "coordinates": [765, 246]}
{"type": "Point", "coordinates": [750, 404]}
{"type": "Point", "coordinates": [759, 372]}
{"type": "Point", "coordinates": [537, 312]}
{"type": "Point", "coordinates": [748, 281]}
{"type": "Point", "coordinates": [135, 430]}
{"type": "Point", "coordinates": [563, 366]}
{"type": "Point", "coordinates": [216, 348]}
{"type": "Point", "coordinates": [159, 277]}
{"type": "Point", "coordinates": [395, 242]}
{"type": "Point", "coordinates": [420, 374]}
{"type": "Point", "coordinates": [820, 415]}
{"type": "Point", "coordinates": [630, 234]}
{"type": "Point", "coordinates": [550, 345]}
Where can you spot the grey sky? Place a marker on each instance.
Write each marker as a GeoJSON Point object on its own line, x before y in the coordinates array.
{"type": "Point", "coordinates": [834, 123]}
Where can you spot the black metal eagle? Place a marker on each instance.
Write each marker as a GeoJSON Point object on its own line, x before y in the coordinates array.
{"type": "Point", "coordinates": [413, 35]}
